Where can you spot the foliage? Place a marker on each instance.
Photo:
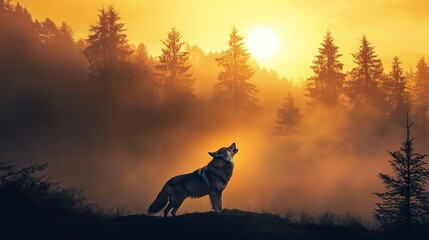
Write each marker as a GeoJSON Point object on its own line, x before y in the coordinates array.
{"type": "Point", "coordinates": [363, 87]}
{"type": "Point", "coordinates": [288, 117]}
{"type": "Point", "coordinates": [326, 85]}
{"type": "Point", "coordinates": [109, 52]}
{"type": "Point", "coordinates": [6, 8]}
{"type": "Point", "coordinates": [25, 190]}
{"type": "Point", "coordinates": [233, 89]}
{"type": "Point", "coordinates": [421, 99]}
{"type": "Point", "coordinates": [405, 204]}
{"type": "Point", "coordinates": [146, 82]}
{"type": "Point", "coordinates": [176, 80]}
{"type": "Point", "coordinates": [396, 91]}
{"type": "Point", "coordinates": [50, 34]}
{"type": "Point", "coordinates": [325, 218]}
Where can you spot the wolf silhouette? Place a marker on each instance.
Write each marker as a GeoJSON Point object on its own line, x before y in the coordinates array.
{"type": "Point", "coordinates": [209, 180]}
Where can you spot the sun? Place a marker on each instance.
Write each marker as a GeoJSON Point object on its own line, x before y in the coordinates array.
{"type": "Point", "coordinates": [263, 43]}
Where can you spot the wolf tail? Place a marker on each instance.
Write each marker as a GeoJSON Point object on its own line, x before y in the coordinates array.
{"type": "Point", "coordinates": [160, 201]}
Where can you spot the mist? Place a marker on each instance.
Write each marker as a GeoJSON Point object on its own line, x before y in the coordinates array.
{"type": "Point", "coordinates": [120, 145]}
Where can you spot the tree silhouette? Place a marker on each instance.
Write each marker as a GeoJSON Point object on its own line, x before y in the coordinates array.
{"type": "Point", "coordinates": [25, 189]}
{"type": "Point", "coordinates": [146, 81]}
{"type": "Point", "coordinates": [288, 117]}
{"type": "Point", "coordinates": [421, 97]}
{"type": "Point", "coordinates": [6, 8]}
{"type": "Point", "coordinates": [396, 91]}
{"type": "Point", "coordinates": [22, 17]}
{"type": "Point", "coordinates": [49, 34]}
{"type": "Point", "coordinates": [176, 80]}
{"type": "Point", "coordinates": [65, 34]}
{"type": "Point", "coordinates": [404, 206]}
{"type": "Point", "coordinates": [326, 84]}
{"type": "Point", "coordinates": [108, 52]}
{"type": "Point", "coordinates": [363, 87]}
{"type": "Point", "coordinates": [47, 31]}
{"type": "Point", "coordinates": [233, 89]}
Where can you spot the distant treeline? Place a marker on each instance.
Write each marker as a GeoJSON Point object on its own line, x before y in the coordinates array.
{"type": "Point", "coordinates": [43, 62]}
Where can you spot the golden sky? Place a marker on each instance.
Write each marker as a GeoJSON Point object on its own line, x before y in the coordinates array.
{"type": "Point", "coordinates": [394, 27]}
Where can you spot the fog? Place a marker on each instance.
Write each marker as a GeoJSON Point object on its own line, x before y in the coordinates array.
{"type": "Point", "coordinates": [120, 146]}
{"type": "Point", "coordinates": [328, 165]}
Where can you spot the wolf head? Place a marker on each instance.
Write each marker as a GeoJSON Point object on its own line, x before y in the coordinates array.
{"type": "Point", "coordinates": [225, 153]}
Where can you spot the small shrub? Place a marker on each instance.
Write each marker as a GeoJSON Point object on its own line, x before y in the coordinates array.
{"type": "Point", "coordinates": [25, 190]}
{"type": "Point", "coordinates": [350, 219]}
{"type": "Point", "coordinates": [327, 218]}
{"type": "Point", "coordinates": [304, 218]}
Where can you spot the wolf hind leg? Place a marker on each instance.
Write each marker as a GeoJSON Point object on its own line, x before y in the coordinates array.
{"type": "Point", "coordinates": [167, 209]}
{"type": "Point", "coordinates": [178, 202]}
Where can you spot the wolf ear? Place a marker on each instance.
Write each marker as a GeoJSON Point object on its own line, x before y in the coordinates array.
{"type": "Point", "coordinates": [213, 154]}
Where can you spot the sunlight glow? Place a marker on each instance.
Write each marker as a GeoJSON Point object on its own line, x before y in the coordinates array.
{"type": "Point", "coordinates": [263, 43]}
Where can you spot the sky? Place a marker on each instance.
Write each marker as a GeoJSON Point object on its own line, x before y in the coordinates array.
{"type": "Point", "coordinates": [394, 27]}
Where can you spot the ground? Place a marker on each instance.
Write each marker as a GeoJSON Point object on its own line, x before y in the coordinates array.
{"type": "Point", "coordinates": [232, 224]}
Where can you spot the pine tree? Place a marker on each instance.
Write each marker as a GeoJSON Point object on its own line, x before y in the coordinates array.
{"type": "Point", "coordinates": [326, 85]}
{"type": "Point", "coordinates": [47, 31]}
{"type": "Point", "coordinates": [65, 34]}
{"type": "Point", "coordinates": [233, 89]}
{"type": "Point", "coordinates": [363, 87]}
{"type": "Point", "coordinates": [421, 97]}
{"type": "Point", "coordinates": [6, 8]}
{"type": "Point", "coordinates": [396, 91]}
{"type": "Point", "coordinates": [288, 117]}
{"type": "Point", "coordinates": [108, 52]}
{"type": "Point", "coordinates": [146, 81]}
{"type": "Point", "coordinates": [23, 17]}
{"type": "Point", "coordinates": [404, 205]}
{"type": "Point", "coordinates": [6, 11]}
{"type": "Point", "coordinates": [176, 79]}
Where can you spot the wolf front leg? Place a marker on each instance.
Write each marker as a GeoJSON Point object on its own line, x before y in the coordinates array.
{"type": "Point", "coordinates": [219, 201]}
{"type": "Point", "coordinates": [214, 200]}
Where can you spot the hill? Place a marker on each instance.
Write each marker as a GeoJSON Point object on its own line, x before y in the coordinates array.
{"type": "Point", "coordinates": [232, 224]}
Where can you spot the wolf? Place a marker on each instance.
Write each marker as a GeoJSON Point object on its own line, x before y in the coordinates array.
{"type": "Point", "coordinates": [210, 180]}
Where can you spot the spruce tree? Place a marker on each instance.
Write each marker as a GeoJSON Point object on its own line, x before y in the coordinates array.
{"type": "Point", "coordinates": [396, 91]}
{"type": "Point", "coordinates": [421, 97]}
{"type": "Point", "coordinates": [175, 77]}
{"type": "Point", "coordinates": [404, 206]}
{"type": "Point", "coordinates": [21, 15]}
{"type": "Point", "coordinates": [146, 81]}
{"type": "Point", "coordinates": [288, 117]}
{"type": "Point", "coordinates": [233, 89]}
{"type": "Point", "coordinates": [363, 89]}
{"type": "Point", "coordinates": [6, 8]}
{"type": "Point", "coordinates": [65, 34]}
{"type": "Point", "coordinates": [109, 52]}
{"type": "Point", "coordinates": [326, 85]}
{"type": "Point", "coordinates": [47, 32]}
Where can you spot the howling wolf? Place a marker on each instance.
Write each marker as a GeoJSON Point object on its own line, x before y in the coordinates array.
{"type": "Point", "coordinates": [210, 180]}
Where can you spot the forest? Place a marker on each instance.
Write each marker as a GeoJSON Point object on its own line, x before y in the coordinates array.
{"type": "Point", "coordinates": [116, 122]}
